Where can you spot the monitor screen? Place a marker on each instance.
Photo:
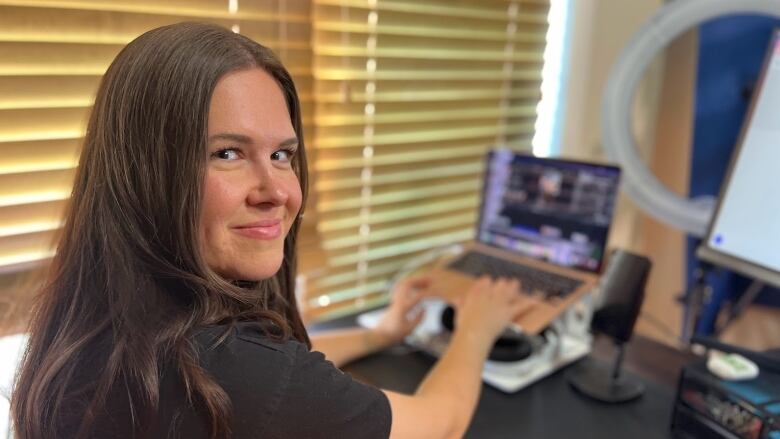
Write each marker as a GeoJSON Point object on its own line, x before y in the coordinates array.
{"type": "Point", "coordinates": [745, 231]}
{"type": "Point", "coordinates": [554, 210]}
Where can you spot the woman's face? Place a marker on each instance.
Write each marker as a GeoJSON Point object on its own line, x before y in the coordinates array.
{"type": "Point", "coordinates": [251, 194]}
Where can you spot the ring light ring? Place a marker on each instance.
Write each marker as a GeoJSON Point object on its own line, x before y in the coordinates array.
{"type": "Point", "coordinates": [673, 19]}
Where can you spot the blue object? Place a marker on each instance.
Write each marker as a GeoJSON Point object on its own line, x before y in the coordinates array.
{"type": "Point", "coordinates": [731, 54]}
{"type": "Point", "coordinates": [773, 408]}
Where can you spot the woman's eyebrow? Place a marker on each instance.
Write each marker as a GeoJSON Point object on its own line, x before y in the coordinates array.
{"type": "Point", "coordinates": [292, 141]}
{"type": "Point", "coordinates": [240, 138]}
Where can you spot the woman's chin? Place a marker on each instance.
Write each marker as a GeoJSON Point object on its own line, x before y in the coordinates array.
{"type": "Point", "coordinates": [250, 273]}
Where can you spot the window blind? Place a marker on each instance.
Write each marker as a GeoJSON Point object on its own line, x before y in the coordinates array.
{"type": "Point", "coordinates": [400, 101]}
{"type": "Point", "coordinates": [52, 56]}
{"type": "Point", "coordinates": [409, 95]}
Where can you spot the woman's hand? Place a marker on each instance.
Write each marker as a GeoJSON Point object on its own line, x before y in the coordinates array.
{"type": "Point", "coordinates": [399, 320]}
{"type": "Point", "coordinates": [345, 345]}
{"type": "Point", "coordinates": [488, 307]}
{"type": "Point", "coordinates": [446, 399]}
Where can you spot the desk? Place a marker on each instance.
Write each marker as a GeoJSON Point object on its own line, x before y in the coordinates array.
{"type": "Point", "coordinates": [549, 408]}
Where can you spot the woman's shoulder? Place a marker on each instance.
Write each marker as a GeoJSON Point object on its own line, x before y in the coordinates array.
{"type": "Point", "coordinates": [243, 359]}
{"type": "Point", "coordinates": [245, 335]}
{"type": "Point", "coordinates": [253, 370]}
{"type": "Point", "coordinates": [269, 381]}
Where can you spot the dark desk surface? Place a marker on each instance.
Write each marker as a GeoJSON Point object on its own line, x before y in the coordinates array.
{"type": "Point", "coordinates": [549, 408]}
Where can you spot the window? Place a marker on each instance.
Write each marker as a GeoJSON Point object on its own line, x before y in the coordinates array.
{"type": "Point", "coordinates": [409, 95]}
{"type": "Point", "coordinates": [52, 55]}
{"type": "Point", "coordinates": [401, 100]}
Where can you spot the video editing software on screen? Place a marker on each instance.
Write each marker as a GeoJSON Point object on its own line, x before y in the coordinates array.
{"type": "Point", "coordinates": [553, 210]}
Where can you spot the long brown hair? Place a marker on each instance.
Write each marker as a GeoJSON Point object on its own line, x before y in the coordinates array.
{"type": "Point", "coordinates": [128, 285]}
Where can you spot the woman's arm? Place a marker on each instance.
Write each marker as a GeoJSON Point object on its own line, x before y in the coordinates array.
{"type": "Point", "coordinates": [344, 345]}
{"type": "Point", "coordinates": [444, 403]}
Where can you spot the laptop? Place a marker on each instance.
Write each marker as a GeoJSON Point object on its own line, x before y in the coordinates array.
{"type": "Point", "coordinates": [544, 221]}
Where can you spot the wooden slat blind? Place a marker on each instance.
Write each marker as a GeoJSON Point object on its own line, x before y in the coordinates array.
{"type": "Point", "coordinates": [401, 99]}
{"type": "Point", "coordinates": [408, 97]}
{"type": "Point", "coordinates": [52, 55]}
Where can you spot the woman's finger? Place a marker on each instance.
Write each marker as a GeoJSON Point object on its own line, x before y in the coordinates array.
{"type": "Point", "coordinates": [457, 303]}
{"type": "Point", "coordinates": [523, 305]}
{"type": "Point", "coordinates": [482, 283]}
{"type": "Point", "coordinates": [412, 300]}
{"type": "Point", "coordinates": [412, 290]}
{"type": "Point", "coordinates": [416, 285]}
{"type": "Point", "coordinates": [516, 286]}
{"type": "Point", "coordinates": [502, 288]}
{"type": "Point", "coordinates": [418, 317]}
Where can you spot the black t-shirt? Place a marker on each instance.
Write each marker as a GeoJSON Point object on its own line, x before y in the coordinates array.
{"type": "Point", "coordinates": [278, 390]}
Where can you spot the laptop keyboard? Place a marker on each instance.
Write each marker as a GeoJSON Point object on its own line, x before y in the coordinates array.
{"type": "Point", "coordinates": [532, 279]}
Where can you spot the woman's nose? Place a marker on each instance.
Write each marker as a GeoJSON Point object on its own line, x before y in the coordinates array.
{"type": "Point", "coordinates": [268, 189]}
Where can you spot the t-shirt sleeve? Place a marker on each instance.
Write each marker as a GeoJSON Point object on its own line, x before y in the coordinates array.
{"type": "Point", "coordinates": [322, 401]}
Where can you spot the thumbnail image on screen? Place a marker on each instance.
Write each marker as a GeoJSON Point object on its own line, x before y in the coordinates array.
{"type": "Point", "coordinates": [555, 210]}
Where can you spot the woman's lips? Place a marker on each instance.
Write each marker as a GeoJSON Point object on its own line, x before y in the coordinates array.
{"type": "Point", "coordinates": [266, 229]}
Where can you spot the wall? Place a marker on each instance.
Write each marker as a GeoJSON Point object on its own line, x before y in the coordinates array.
{"type": "Point", "coordinates": [670, 162]}
{"type": "Point", "coordinates": [600, 31]}
{"type": "Point", "coordinates": [662, 122]}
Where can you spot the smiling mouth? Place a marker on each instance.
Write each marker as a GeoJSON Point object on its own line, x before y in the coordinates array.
{"type": "Point", "coordinates": [264, 230]}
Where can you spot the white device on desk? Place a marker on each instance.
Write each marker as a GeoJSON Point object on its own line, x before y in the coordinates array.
{"type": "Point", "coordinates": [567, 340]}
{"type": "Point", "coordinates": [544, 222]}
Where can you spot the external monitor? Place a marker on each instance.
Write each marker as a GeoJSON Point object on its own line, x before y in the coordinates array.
{"type": "Point", "coordinates": [744, 234]}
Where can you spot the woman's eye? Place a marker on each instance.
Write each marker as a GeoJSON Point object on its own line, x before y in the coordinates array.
{"type": "Point", "coordinates": [226, 154]}
{"type": "Point", "coordinates": [282, 155]}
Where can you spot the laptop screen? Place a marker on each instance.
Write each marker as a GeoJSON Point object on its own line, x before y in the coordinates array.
{"type": "Point", "coordinates": [555, 210]}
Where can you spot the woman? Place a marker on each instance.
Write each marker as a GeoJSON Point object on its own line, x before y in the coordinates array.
{"type": "Point", "coordinates": [169, 310]}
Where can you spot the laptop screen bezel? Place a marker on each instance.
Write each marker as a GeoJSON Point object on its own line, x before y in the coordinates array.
{"type": "Point", "coordinates": [486, 178]}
